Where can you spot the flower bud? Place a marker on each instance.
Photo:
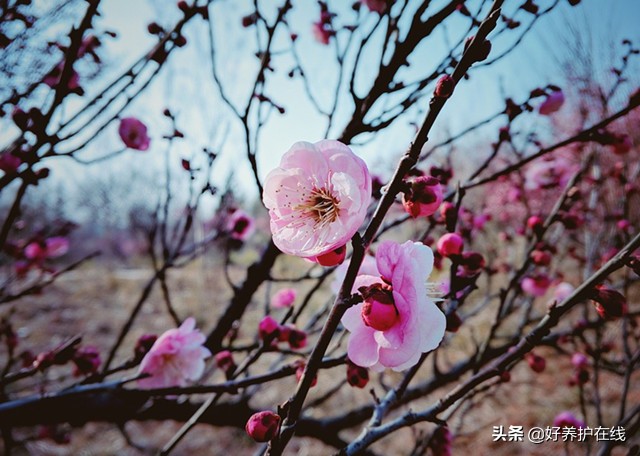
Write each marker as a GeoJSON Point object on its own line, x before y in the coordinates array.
{"type": "Point", "coordinates": [268, 328]}
{"type": "Point", "coordinates": [445, 86]}
{"type": "Point", "coordinates": [87, 361]}
{"type": "Point", "coordinates": [296, 337]}
{"type": "Point", "coordinates": [357, 376]}
{"type": "Point", "coordinates": [333, 258]}
{"type": "Point", "coordinates": [536, 363]}
{"type": "Point", "coordinates": [579, 361]}
{"type": "Point", "coordinates": [552, 103]}
{"type": "Point", "coordinates": [300, 366]}
{"type": "Point", "coordinates": [423, 197]}
{"type": "Point", "coordinates": [541, 257]}
{"type": "Point", "coordinates": [450, 244]}
{"type": "Point", "coordinates": [378, 311]}
{"type": "Point", "coordinates": [535, 224]}
{"type": "Point", "coordinates": [536, 285]}
{"type": "Point", "coordinates": [263, 426]}
{"type": "Point", "coordinates": [609, 303]}
{"type": "Point", "coordinates": [224, 360]}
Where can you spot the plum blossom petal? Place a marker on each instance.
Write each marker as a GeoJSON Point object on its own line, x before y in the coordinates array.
{"type": "Point", "coordinates": [317, 198]}
{"type": "Point", "coordinates": [134, 133]}
{"type": "Point", "coordinates": [176, 358]}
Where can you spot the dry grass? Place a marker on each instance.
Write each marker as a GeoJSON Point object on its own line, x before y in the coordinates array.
{"type": "Point", "coordinates": [95, 301]}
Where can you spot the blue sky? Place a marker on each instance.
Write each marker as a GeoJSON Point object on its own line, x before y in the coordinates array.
{"type": "Point", "coordinates": [186, 87]}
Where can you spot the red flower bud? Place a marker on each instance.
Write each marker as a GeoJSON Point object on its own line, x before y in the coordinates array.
{"type": "Point", "coordinates": [378, 311]}
{"type": "Point", "coordinates": [536, 363]}
{"type": "Point", "coordinates": [423, 197]}
{"type": "Point", "coordinates": [357, 376]}
{"type": "Point", "coordinates": [143, 345]}
{"type": "Point", "coordinates": [268, 328]}
{"type": "Point", "coordinates": [87, 361]}
{"type": "Point", "coordinates": [333, 258]}
{"type": "Point", "coordinates": [224, 360]}
{"type": "Point", "coordinates": [609, 303]}
{"type": "Point", "coordinates": [450, 244]}
{"type": "Point", "coordinates": [445, 86]}
{"type": "Point", "coordinates": [263, 426]}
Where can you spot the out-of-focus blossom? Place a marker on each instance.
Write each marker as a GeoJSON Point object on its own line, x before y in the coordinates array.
{"type": "Point", "coordinates": [87, 361]}
{"type": "Point", "coordinates": [52, 247]}
{"type": "Point", "coordinates": [240, 225]}
{"type": "Point", "coordinates": [53, 78]}
{"type": "Point", "coordinates": [450, 244]}
{"type": "Point", "coordinates": [417, 325]}
{"type": "Point", "coordinates": [580, 361]}
{"type": "Point", "coordinates": [283, 298]}
{"type": "Point", "coordinates": [536, 285]}
{"type": "Point", "coordinates": [317, 198]}
{"type": "Point", "coordinates": [567, 419]}
{"type": "Point", "coordinates": [9, 163]}
{"type": "Point", "coordinates": [441, 441]}
{"type": "Point", "coordinates": [268, 328]}
{"type": "Point", "coordinates": [134, 133]}
{"type": "Point", "coordinates": [322, 32]}
{"type": "Point", "coordinates": [562, 291]}
{"type": "Point", "coordinates": [536, 362]}
{"type": "Point", "coordinates": [548, 174]}
{"type": "Point", "coordinates": [377, 6]}
{"type": "Point", "coordinates": [552, 103]}
{"type": "Point", "coordinates": [176, 358]}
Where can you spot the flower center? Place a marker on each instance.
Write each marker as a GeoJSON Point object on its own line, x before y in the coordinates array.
{"type": "Point", "coordinates": [321, 206]}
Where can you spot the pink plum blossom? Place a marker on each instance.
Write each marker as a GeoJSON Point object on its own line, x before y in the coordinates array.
{"type": "Point", "coordinates": [562, 291]}
{"type": "Point", "coordinates": [176, 358]}
{"type": "Point", "coordinates": [552, 103]}
{"type": "Point", "coordinates": [536, 285]}
{"type": "Point", "coordinates": [240, 225]}
{"type": "Point", "coordinates": [317, 198]}
{"type": "Point", "coordinates": [52, 247]}
{"type": "Point", "coordinates": [134, 133]}
{"type": "Point", "coordinates": [548, 173]}
{"type": "Point", "coordinates": [283, 298]}
{"type": "Point", "coordinates": [567, 419]}
{"type": "Point", "coordinates": [416, 324]}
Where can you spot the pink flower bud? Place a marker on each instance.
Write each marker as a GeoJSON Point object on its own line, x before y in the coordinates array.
{"type": "Point", "coordinates": [378, 311]}
{"type": "Point", "coordinates": [268, 328]}
{"type": "Point", "coordinates": [283, 298]}
{"type": "Point", "coordinates": [134, 134]}
{"type": "Point", "coordinates": [541, 257]}
{"type": "Point", "coordinates": [263, 426]}
{"type": "Point", "coordinates": [622, 144]}
{"type": "Point", "coordinates": [536, 285]}
{"type": "Point", "coordinates": [536, 363]}
{"type": "Point", "coordinates": [423, 197]}
{"type": "Point", "coordinates": [444, 86]}
{"type": "Point", "coordinates": [609, 303]}
{"type": "Point", "coordinates": [579, 361]}
{"type": "Point", "coordinates": [450, 244]}
{"type": "Point", "coordinates": [567, 419]}
{"type": "Point", "coordinates": [553, 103]}
{"type": "Point", "coordinates": [357, 376]}
{"type": "Point", "coordinates": [535, 224]}
{"type": "Point", "coordinates": [224, 360]}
